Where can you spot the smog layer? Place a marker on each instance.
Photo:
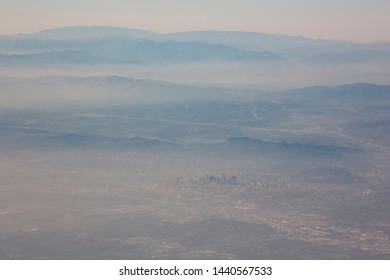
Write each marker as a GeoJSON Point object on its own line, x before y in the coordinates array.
{"type": "Point", "coordinates": [129, 144]}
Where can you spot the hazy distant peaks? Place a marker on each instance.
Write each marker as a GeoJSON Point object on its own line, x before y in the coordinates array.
{"type": "Point", "coordinates": [77, 32]}
{"type": "Point", "coordinates": [110, 45]}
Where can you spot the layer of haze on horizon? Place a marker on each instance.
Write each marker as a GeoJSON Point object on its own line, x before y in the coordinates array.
{"type": "Point", "coordinates": [354, 20]}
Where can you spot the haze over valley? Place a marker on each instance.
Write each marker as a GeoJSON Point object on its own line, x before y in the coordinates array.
{"type": "Point", "coordinates": [121, 143]}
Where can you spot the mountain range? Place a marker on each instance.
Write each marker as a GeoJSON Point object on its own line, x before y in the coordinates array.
{"type": "Point", "coordinates": [104, 44]}
{"type": "Point", "coordinates": [81, 45]}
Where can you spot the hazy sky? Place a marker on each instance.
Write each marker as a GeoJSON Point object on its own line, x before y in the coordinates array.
{"type": "Point", "coordinates": [355, 20]}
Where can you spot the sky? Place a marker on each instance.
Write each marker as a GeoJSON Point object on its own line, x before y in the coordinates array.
{"type": "Point", "coordinates": [354, 20]}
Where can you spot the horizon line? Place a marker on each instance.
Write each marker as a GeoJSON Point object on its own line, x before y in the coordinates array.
{"type": "Point", "coordinates": [192, 30]}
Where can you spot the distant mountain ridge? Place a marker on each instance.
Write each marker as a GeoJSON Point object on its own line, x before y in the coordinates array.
{"type": "Point", "coordinates": [104, 44]}
{"type": "Point", "coordinates": [133, 45]}
{"type": "Point", "coordinates": [77, 32]}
